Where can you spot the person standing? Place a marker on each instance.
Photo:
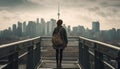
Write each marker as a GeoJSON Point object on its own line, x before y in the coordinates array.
{"type": "Point", "coordinates": [60, 41]}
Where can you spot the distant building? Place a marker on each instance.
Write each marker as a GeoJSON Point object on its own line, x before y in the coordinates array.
{"type": "Point", "coordinates": [88, 33]}
{"type": "Point", "coordinates": [49, 27]}
{"type": "Point", "coordinates": [69, 30]}
{"type": "Point", "coordinates": [24, 27]}
{"type": "Point", "coordinates": [104, 35]}
{"type": "Point", "coordinates": [53, 23]}
{"type": "Point", "coordinates": [0, 33]}
{"type": "Point", "coordinates": [64, 26]}
{"type": "Point", "coordinates": [46, 29]}
{"type": "Point", "coordinates": [38, 27]}
{"type": "Point", "coordinates": [118, 34]}
{"type": "Point", "coordinates": [96, 26]}
{"type": "Point", "coordinates": [19, 29]}
{"type": "Point", "coordinates": [31, 29]}
{"type": "Point", "coordinates": [20, 25]}
{"type": "Point", "coordinates": [9, 29]}
{"type": "Point", "coordinates": [112, 33]}
{"type": "Point", "coordinates": [14, 28]}
{"type": "Point", "coordinates": [42, 26]}
{"type": "Point", "coordinates": [38, 20]}
{"type": "Point", "coordinates": [81, 30]}
{"type": "Point", "coordinates": [74, 32]}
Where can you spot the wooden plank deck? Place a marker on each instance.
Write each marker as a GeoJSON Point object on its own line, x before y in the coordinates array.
{"type": "Point", "coordinates": [51, 64]}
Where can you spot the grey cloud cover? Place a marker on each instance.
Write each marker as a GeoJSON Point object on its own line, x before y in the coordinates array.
{"type": "Point", "coordinates": [101, 8]}
{"type": "Point", "coordinates": [17, 5]}
{"type": "Point", "coordinates": [11, 2]}
{"type": "Point", "coordinates": [64, 3]}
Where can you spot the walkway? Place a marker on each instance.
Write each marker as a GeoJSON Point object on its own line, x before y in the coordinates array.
{"type": "Point", "coordinates": [51, 64]}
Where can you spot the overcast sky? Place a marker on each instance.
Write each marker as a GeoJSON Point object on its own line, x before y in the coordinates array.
{"type": "Point", "coordinates": [73, 12]}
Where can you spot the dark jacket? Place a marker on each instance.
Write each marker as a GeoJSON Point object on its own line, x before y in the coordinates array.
{"type": "Point", "coordinates": [63, 35]}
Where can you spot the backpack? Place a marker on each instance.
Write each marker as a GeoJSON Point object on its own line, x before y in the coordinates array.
{"type": "Point", "coordinates": [57, 40]}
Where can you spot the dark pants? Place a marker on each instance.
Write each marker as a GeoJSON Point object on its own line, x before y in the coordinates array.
{"type": "Point", "coordinates": [59, 56]}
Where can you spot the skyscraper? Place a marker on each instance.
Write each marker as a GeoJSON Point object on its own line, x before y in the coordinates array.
{"type": "Point", "coordinates": [53, 21]}
{"type": "Point", "coordinates": [9, 29]}
{"type": "Point", "coordinates": [49, 27]}
{"type": "Point", "coordinates": [64, 26]}
{"type": "Point", "coordinates": [37, 20]}
{"type": "Point", "coordinates": [31, 29]}
{"type": "Point", "coordinates": [19, 29]}
{"type": "Point", "coordinates": [74, 32]}
{"type": "Point", "coordinates": [24, 27]}
{"type": "Point", "coordinates": [42, 26]}
{"type": "Point", "coordinates": [38, 27]}
{"type": "Point", "coordinates": [14, 28]}
{"type": "Point", "coordinates": [46, 29]}
{"type": "Point", "coordinates": [69, 30]}
{"type": "Point", "coordinates": [118, 34]}
{"type": "Point", "coordinates": [95, 26]}
{"type": "Point", "coordinates": [52, 26]}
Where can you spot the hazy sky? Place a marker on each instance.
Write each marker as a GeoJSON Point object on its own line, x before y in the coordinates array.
{"type": "Point", "coordinates": [73, 12]}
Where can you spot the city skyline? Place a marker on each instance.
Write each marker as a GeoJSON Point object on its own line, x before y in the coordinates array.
{"type": "Point", "coordinates": [78, 12]}
{"type": "Point", "coordinates": [40, 27]}
{"type": "Point", "coordinates": [38, 20]}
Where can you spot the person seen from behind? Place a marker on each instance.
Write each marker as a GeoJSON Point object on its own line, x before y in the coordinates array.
{"type": "Point", "coordinates": [60, 41]}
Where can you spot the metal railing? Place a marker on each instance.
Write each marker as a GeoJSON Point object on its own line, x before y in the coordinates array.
{"type": "Point", "coordinates": [97, 55]}
{"type": "Point", "coordinates": [27, 53]}
{"type": "Point", "coordinates": [23, 54]}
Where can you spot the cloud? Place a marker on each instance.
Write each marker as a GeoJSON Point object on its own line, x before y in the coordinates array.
{"type": "Point", "coordinates": [11, 2]}
{"type": "Point", "coordinates": [18, 5]}
{"type": "Point", "coordinates": [100, 7]}
{"type": "Point", "coordinates": [106, 8]}
{"type": "Point", "coordinates": [79, 10]}
{"type": "Point", "coordinates": [110, 3]}
{"type": "Point", "coordinates": [8, 16]}
{"type": "Point", "coordinates": [94, 8]}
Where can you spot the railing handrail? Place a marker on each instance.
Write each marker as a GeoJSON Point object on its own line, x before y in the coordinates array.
{"type": "Point", "coordinates": [101, 43]}
{"type": "Point", "coordinates": [18, 42]}
{"type": "Point", "coordinates": [15, 51]}
{"type": "Point", "coordinates": [31, 39]}
{"type": "Point", "coordinates": [84, 39]}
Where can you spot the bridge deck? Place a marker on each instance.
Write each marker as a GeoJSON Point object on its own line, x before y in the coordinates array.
{"type": "Point", "coordinates": [51, 64]}
{"type": "Point", "coordinates": [90, 54]}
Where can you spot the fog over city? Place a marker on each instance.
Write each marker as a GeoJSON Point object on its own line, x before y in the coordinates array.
{"type": "Point", "coordinates": [73, 12]}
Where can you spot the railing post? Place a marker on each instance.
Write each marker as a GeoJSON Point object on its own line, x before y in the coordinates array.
{"type": "Point", "coordinates": [81, 53]}
{"type": "Point", "coordinates": [98, 60]}
{"type": "Point", "coordinates": [40, 49]}
{"type": "Point", "coordinates": [37, 54]}
{"type": "Point", "coordinates": [118, 60]}
{"type": "Point", "coordinates": [30, 62]}
{"type": "Point", "coordinates": [34, 55]}
{"type": "Point", "coordinates": [13, 61]}
{"type": "Point", "coordinates": [119, 64]}
{"type": "Point", "coordinates": [86, 57]}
